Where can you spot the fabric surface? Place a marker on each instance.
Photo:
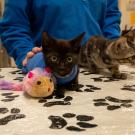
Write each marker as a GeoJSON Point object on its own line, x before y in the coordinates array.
{"type": "Point", "coordinates": [102, 106]}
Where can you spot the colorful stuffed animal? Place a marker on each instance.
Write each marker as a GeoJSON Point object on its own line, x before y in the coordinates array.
{"type": "Point", "coordinates": [37, 83]}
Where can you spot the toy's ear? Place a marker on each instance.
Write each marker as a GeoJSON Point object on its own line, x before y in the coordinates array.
{"type": "Point", "coordinates": [30, 74]}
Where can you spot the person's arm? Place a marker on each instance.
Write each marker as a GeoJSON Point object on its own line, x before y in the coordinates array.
{"type": "Point", "coordinates": [111, 26]}
{"type": "Point", "coordinates": [15, 29]}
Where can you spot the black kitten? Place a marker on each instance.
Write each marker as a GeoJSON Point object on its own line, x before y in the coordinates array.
{"type": "Point", "coordinates": [61, 55]}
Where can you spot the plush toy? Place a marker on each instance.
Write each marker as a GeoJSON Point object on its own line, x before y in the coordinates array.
{"type": "Point", "coordinates": [37, 83]}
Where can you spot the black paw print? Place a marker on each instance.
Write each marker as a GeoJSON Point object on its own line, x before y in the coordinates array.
{"type": "Point", "coordinates": [49, 101]}
{"type": "Point", "coordinates": [85, 72]}
{"type": "Point", "coordinates": [2, 76]}
{"type": "Point", "coordinates": [91, 88]}
{"type": "Point", "coordinates": [104, 79]}
{"type": "Point", "coordinates": [120, 102]}
{"type": "Point", "coordinates": [132, 73]}
{"type": "Point", "coordinates": [82, 124]}
{"type": "Point", "coordinates": [9, 97]}
{"type": "Point", "coordinates": [15, 114]}
{"type": "Point", "coordinates": [20, 79]}
{"type": "Point", "coordinates": [129, 88]}
{"type": "Point", "coordinates": [85, 88]}
{"type": "Point", "coordinates": [16, 72]}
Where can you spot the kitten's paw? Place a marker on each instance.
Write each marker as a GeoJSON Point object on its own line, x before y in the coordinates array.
{"type": "Point", "coordinates": [122, 76]}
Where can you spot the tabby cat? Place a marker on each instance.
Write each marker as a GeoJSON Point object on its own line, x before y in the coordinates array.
{"type": "Point", "coordinates": [62, 56]}
{"type": "Point", "coordinates": [102, 53]}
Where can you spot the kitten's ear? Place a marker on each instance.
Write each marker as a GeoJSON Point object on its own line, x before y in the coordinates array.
{"type": "Point", "coordinates": [78, 39]}
{"type": "Point", "coordinates": [76, 42]}
{"type": "Point", "coordinates": [47, 40]}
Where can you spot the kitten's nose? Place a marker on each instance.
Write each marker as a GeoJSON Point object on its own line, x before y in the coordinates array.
{"type": "Point", "coordinates": [62, 64]}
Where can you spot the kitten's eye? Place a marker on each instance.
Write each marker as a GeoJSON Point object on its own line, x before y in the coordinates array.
{"type": "Point", "coordinates": [54, 58]}
{"type": "Point", "coordinates": [69, 59]}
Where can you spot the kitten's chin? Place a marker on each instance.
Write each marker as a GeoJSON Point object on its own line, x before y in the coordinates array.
{"type": "Point", "coordinates": [63, 72]}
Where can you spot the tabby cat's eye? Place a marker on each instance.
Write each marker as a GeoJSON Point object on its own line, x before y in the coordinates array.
{"type": "Point", "coordinates": [53, 58]}
{"type": "Point", "coordinates": [69, 59]}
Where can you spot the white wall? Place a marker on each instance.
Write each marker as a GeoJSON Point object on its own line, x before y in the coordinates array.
{"type": "Point", "coordinates": [127, 8]}
{"type": "Point", "coordinates": [1, 5]}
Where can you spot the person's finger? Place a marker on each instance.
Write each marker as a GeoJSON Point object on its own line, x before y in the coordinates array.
{"type": "Point", "coordinates": [30, 54]}
{"type": "Point", "coordinates": [36, 49]}
{"type": "Point", "coordinates": [24, 63]}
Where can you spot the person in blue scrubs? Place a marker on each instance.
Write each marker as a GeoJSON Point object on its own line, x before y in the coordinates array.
{"type": "Point", "coordinates": [24, 21]}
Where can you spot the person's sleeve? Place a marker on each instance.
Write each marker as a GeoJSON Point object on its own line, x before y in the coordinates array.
{"type": "Point", "coordinates": [111, 27]}
{"type": "Point", "coordinates": [15, 29]}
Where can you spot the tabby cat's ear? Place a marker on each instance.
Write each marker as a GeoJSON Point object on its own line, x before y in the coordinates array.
{"type": "Point", "coordinates": [47, 40]}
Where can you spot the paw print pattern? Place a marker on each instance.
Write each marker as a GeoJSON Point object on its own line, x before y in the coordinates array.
{"type": "Point", "coordinates": [91, 88]}
{"type": "Point", "coordinates": [3, 110]}
{"type": "Point", "coordinates": [9, 97]}
{"type": "Point", "coordinates": [2, 76]}
{"type": "Point", "coordinates": [82, 123]}
{"type": "Point", "coordinates": [57, 122]}
{"type": "Point", "coordinates": [117, 103]}
{"type": "Point", "coordinates": [16, 72]}
{"type": "Point", "coordinates": [62, 100]}
{"type": "Point", "coordinates": [15, 114]}
{"type": "Point", "coordinates": [85, 72]}
{"type": "Point", "coordinates": [85, 88]}
{"type": "Point", "coordinates": [100, 78]}
{"type": "Point", "coordinates": [49, 102]}
{"type": "Point", "coordinates": [132, 73]}
{"type": "Point", "coordinates": [20, 79]}
{"type": "Point", "coordinates": [104, 79]}
{"type": "Point", "coordinates": [129, 88]}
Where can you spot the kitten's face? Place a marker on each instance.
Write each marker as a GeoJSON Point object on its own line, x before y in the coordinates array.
{"type": "Point", "coordinates": [61, 55]}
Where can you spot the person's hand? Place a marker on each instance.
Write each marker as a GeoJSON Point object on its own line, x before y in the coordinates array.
{"type": "Point", "coordinates": [31, 54]}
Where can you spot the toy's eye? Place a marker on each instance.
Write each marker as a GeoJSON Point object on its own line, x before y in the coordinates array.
{"type": "Point", "coordinates": [38, 82]}
{"type": "Point", "coordinates": [54, 58]}
{"type": "Point", "coordinates": [69, 59]}
{"type": "Point", "coordinates": [50, 80]}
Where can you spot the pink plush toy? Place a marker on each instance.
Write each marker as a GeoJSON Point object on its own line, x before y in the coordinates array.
{"type": "Point", "coordinates": [37, 83]}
